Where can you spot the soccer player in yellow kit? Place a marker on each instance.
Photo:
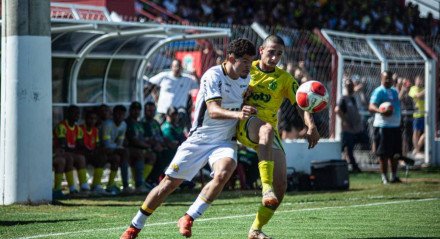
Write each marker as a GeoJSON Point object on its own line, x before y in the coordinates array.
{"type": "Point", "coordinates": [269, 86]}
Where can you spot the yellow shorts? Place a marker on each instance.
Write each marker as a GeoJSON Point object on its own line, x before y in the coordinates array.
{"type": "Point", "coordinates": [243, 136]}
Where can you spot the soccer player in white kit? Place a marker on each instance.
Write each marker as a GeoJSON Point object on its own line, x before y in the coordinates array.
{"type": "Point", "coordinates": [212, 138]}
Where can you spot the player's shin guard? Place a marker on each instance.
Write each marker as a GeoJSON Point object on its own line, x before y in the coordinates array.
{"type": "Point", "coordinates": [264, 214]}
{"type": "Point", "coordinates": [266, 173]}
{"type": "Point", "coordinates": [141, 216]}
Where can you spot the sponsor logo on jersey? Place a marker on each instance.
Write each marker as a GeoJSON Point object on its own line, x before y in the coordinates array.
{"type": "Point", "coordinates": [175, 167]}
{"type": "Point", "coordinates": [260, 97]}
{"type": "Point", "coordinates": [273, 85]}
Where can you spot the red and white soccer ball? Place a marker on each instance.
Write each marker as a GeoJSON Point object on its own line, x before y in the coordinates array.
{"type": "Point", "coordinates": [386, 106]}
{"type": "Point", "coordinates": [312, 96]}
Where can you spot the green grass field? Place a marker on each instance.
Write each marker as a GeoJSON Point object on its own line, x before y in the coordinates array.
{"type": "Point", "coordinates": [368, 210]}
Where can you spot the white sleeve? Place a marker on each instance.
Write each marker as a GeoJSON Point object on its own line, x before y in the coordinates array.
{"type": "Point", "coordinates": [212, 85]}
{"type": "Point", "coordinates": [155, 80]}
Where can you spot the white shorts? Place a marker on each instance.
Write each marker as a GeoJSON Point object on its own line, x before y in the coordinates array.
{"type": "Point", "coordinates": [190, 158]}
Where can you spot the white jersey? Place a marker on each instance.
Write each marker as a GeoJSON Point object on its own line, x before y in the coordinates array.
{"type": "Point", "coordinates": [174, 91]}
{"type": "Point", "coordinates": [216, 85]}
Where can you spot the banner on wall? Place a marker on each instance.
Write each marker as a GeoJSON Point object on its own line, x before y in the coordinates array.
{"type": "Point", "coordinates": [191, 61]}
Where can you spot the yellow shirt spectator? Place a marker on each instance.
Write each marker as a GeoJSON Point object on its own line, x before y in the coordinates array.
{"type": "Point", "coordinates": [419, 102]}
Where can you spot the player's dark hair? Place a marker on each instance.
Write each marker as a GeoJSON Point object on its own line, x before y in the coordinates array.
{"type": "Point", "coordinates": [240, 47]}
{"type": "Point", "coordinates": [89, 112]}
{"type": "Point", "coordinates": [172, 110]}
{"type": "Point", "coordinates": [71, 110]}
{"type": "Point", "coordinates": [150, 103]}
{"type": "Point", "coordinates": [119, 108]}
{"type": "Point", "coordinates": [135, 105]}
{"type": "Point", "coordinates": [274, 39]}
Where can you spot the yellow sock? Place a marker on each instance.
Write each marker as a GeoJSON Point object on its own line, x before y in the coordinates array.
{"type": "Point", "coordinates": [264, 214]}
{"type": "Point", "coordinates": [266, 173]}
{"type": "Point", "coordinates": [147, 210]}
{"type": "Point", "coordinates": [97, 176]}
{"type": "Point", "coordinates": [133, 173]}
{"type": "Point", "coordinates": [147, 170]}
{"type": "Point", "coordinates": [111, 178]}
{"type": "Point", "coordinates": [82, 176]}
{"type": "Point", "coordinates": [58, 181]}
{"type": "Point", "coordinates": [69, 178]}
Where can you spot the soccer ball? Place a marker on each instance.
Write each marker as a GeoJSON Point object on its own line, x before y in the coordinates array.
{"type": "Point", "coordinates": [312, 96]}
{"type": "Point", "coordinates": [386, 106]}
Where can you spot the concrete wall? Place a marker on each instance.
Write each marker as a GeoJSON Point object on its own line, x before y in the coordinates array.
{"type": "Point", "coordinates": [300, 158]}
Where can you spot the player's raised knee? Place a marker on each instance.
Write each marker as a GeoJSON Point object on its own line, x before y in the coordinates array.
{"type": "Point", "coordinates": [266, 129]}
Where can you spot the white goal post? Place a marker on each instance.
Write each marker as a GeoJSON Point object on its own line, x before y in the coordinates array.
{"type": "Point", "coordinates": [364, 57]}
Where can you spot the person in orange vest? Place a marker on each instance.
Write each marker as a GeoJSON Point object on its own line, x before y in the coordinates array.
{"type": "Point", "coordinates": [94, 154]}
{"type": "Point", "coordinates": [68, 138]}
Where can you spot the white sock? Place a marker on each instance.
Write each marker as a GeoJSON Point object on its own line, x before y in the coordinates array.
{"type": "Point", "coordinates": [384, 177]}
{"type": "Point", "coordinates": [198, 207]}
{"type": "Point", "coordinates": [139, 220]}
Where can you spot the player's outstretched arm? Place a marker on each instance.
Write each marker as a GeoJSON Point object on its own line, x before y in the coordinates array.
{"type": "Point", "coordinates": [217, 112]}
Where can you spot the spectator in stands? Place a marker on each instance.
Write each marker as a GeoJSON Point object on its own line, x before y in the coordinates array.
{"type": "Point", "coordinates": [68, 138]}
{"type": "Point", "coordinates": [112, 137]}
{"type": "Point", "coordinates": [171, 129]}
{"type": "Point", "coordinates": [362, 102]}
{"type": "Point", "coordinates": [417, 93]}
{"type": "Point", "coordinates": [138, 147]}
{"type": "Point", "coordinates": [403, 85]}
{"type": "Point", "coordinates": [289, 120]}
{"type": "Point", "coordinates": [161, 155]}
{"type": "Point", "coordinates": [377, 17]}
{"type": "Point", "coordinates": [94, 154]}
{"type": "Point", "coordinates": [174, 89]}
{"type": "Point", "coordinates": [387, 136]}
{"type": "Point", "coordinates": [351, 124]}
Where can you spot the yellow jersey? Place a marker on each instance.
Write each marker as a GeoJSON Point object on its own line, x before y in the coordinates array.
{"type": "Point", "coordinates": [268, 90]}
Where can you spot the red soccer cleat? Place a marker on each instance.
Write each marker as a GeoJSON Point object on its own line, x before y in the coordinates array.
{"type": "Point", "coordinates": [130, 233]}
{"type": "Point", "coordinates": [185, 223]}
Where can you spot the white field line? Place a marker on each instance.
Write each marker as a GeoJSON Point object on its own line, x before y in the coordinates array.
{"type": "Point", "coordinates": [230, 217]}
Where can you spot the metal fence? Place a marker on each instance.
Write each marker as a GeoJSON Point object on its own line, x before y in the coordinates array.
{"type": "Point", "coordinates": [433, 49]}
{"type": "Point", "coordinates": [363, 57]}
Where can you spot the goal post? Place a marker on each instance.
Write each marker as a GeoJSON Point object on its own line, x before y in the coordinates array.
{"type": "Point", "coordinates": [363, 57]}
